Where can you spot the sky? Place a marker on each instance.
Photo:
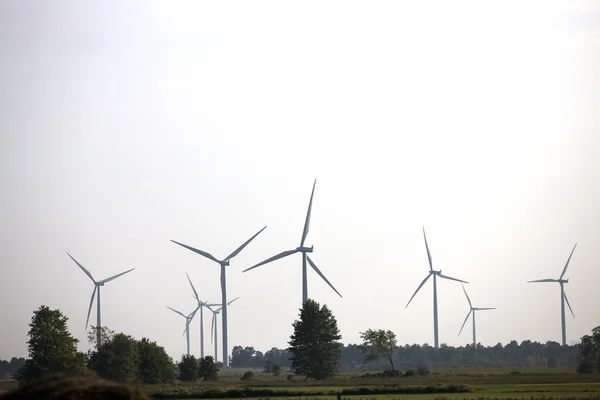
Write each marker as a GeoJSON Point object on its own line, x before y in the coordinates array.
{"type": "Point", "coordinates": [124, 125]}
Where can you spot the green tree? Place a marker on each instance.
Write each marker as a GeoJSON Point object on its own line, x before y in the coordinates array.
{"type": "Point", "coordinates": [51, 346]}
{"type": "Point", "coordinates": [378, 343]}
{"type": "Point", "coordinates": [106, 335]}
{"type": "Point", "coordinates": [117, 359]}
{"type": "Point", "coordinates": [207, 369]}
{"type": "Point", "coordinates": [314, 346]}
{"type": "Point", "coordinates": [188, 368]}
{"type": "Point", "coordinates": [589, 352]}
{"type": "Point", "coordinates": [155, 365]}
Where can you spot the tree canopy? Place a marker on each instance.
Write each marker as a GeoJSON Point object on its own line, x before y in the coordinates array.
{"type": "Point", "coordinates": [378, 343]}
{"type": "Point", "coordinates": [51, 346]}
{"type": "Point", "coordinates": [314, 346]}
{"type": "Point", "coordinates": [589, 352]}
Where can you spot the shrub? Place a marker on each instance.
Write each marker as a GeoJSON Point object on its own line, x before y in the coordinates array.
{"type": "Point", "coordinates": [410, 372]}
{"type": "Point", "coordinates": [248, 376]}
{"type": "Point", "coordinates": [423, 369]}
{"type": "Point", "coordinates": [290, 377]}
{"type": "Point", "coordinates": [208, 369]}
{"type": "Point", "coordinates": [276, 369]}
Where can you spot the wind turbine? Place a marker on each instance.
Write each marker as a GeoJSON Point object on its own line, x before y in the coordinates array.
{"type": "Point", "coordinates": [223, 263]}
{"type": "Point", "coordinates": [301, 249]}
{"type": "Point", "coordinates": [435, 274]}
{"type": "Point", "coordinates": [472, 310]}
{"type": "Point", "coordinates": [213, 326]}
{"type": "Point", "coordinates": [188, 320]}
{"type": "Point", "coordinates": [563, 296]}
{"type": "Point", "coordinates": [97, 285]}
{"type": "Point", "coordinates": [201, 305]}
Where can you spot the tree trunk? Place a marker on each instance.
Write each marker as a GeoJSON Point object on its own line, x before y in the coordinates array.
{"type": "Point", "coordinates": [392, 362]}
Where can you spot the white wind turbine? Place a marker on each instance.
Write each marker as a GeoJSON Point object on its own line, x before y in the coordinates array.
{"type": "Point", "coordinates": [472, 310]}
{"type": "Point", "coordinates": [97, 285]}
{"type": "Point", "coordinates": [188, 320]}
{"type": "Point", "coordinates": [563, 296]}
{"type": "Point", "coordinates": [223, 263]}
{"type": "Point", "coordinates": [213, 327]}
{"type": "Point", "coordinates": [201, 305]}
{"type": "Point", "coordinates": [301, 249]}
{"type": "Point", "coordinates": [435, 274]}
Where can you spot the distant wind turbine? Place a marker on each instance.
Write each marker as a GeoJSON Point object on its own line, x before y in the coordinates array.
{"type": "Point", "coordinates": [301, 249]}
{"type": "Point", "coordinates": [201, 305]}
{"type": "Point", "coordinates": [97, 285]}
{"type": "Point", "coordinates": [563, 296]}
{"type": "Point", "coordinates": [188, 320]}
{"type": "Point", "coordinates": [223, 263]}
{"type": "Point", "coordinates": [435, 274]}
{"type": "Point", "coordinates": [213, 327]}
{"type": "Point", "coordinates": [472, 310]}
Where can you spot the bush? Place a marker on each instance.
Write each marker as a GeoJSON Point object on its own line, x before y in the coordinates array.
{"type": "Point", "coordinates": [248, 376]}
{"type": "Point", "coordinates": [188, 368]}
{"type": "Point", "coordinates": [410, 373]}
{"type": "Point", "coordinates": [208, 369]}
{"type": "Point", "coordinates": [290, 377]}
{"type": "Point", "coordinates": [423, 369]}
{"type": "Point", "coordinates": [515, 372]}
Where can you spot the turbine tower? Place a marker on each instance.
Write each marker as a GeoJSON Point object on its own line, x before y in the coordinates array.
{"type": "Point", "coordinates": [188, 320]}
{"type": "Point", "coordinates": [201, 305]}
{"type": "Point", "coordinates": [97, 285]}
{"type": "Point", "coordinates": [472, 310]}
{"type": "Point", "coordinates": [223, 263]}
{"type": "Point", "coordinates": [213, 326]}
{"type": "Point", "coordinates": [435, 274]}
{"type": "Point", "coordinates": [302, 249]}
{"type": "Point", "coordinates": [563, 296]}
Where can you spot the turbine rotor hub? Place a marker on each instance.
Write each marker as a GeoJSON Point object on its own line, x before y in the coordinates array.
{"type": "Point", "coordinates": [303, 249]}
{"type": "Point", "coordinates": [224, 263]}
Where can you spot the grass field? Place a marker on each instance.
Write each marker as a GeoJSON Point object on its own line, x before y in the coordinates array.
{"type": "Point", "coordinates": [479, 383]}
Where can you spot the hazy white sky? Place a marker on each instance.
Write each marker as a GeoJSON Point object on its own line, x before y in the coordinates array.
{"type": "Point", "coordinates": [125, 125]}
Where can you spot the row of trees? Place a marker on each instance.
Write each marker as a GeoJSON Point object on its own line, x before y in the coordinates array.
{"type": "Point", "coordinates": [9, 368]}
{"type": "Point", "coordinates": [513, 355]}
{"type": "Point", "coordinates": [314, 351]}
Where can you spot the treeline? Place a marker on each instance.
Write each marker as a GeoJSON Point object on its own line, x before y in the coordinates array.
{"type": "Point", "coordinates": [512, 355]}
{"type": "Point", "coordinates": [9, 368]}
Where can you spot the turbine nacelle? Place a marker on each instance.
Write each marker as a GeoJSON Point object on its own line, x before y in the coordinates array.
{"type": "Point", "coordinates": [436, 272]}
{"type": "Point", "coordinates": [563, 281]}
{"type": "Point", "coordinates": [224, 263]}
{"type": "Point", "coordinates": [304, 249]}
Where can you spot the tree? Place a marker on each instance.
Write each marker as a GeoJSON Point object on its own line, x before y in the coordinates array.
{"type": "Point", "coordinates": [208, 369]}
{"type": "Point", "coordinates": [51, 347]}
{"type": "Point", "coordinates": [106, 335]}
{"type": "Point", "coordinates": [155, 365]}
{"type": "Point", "coordinates": [379, 343]}
{"type": "Point", "coordinates": [314, 346]}
{"type": "Point", "coordinates": [188, 368]}
{"type": "Point", "coordinates": [116, 360]}
{"type": "Point", "coordinates": [589, 352]}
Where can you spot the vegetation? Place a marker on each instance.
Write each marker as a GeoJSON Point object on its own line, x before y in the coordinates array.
{"type": "Point", "coordinates": [51, 347]}
{"type": "Point", "coordinates": [9, 368]}
{"type": "Point", "coordinates": [589, 352]}
{"type": "Point", "coordinates": [314, 347]}
{"type": "Point", "coordinates": [377, 344]}
{"type": "Point", "coordinates": [207, 369]}
{"type": "Point", "coordinates": [188, 368]}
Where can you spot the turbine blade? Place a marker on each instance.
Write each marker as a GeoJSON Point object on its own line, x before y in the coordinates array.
{"type": "Point", "coordinates": [543, 280]}
{"type": "Point", "coordinates": [193, 288]}
{"type": "Point", "coordinates": [83, 268]}
{"type": "Point", "coordinates": [416, 291]}
{"type": "Point", "coordinates": [276, 257]}
{"type": "Point", "coordinates": [237, 251]}
{"type": "Point", "coordinates": [202, 253]}
{"type": "Point", "coordinates": [468, 299]}
{"type": "Point", "coordinates": [567, 265]}
{"type": "Point", "coordinates": [428, 253]}
{"type": "Point", "coordinates": [192, 314]}
{"type": "Point", "coordinates": [463, 325]}
{"type": "Point", "coordinates": [90, 309]}
{"type": "Point", "coordinates": [116, 276]}
{"type": "Point", "coordinates": [233, 300]}
{"type": "Point", "coordinates": [178, 312]}
{"type": "Point", "coordinates": [212, 327]}
{"type": "Point", "coordinates": [567, 300]}
{"type": "Point", "coordinates": [452, 279]}
{"type": "Point", "coordinates": [307, 222]}
{"type": "Point", "coordinates": [185, 330]}
{"type": "Point", "coordinates": [318, 271]}
{"type": "Point", "coordinates": [485, 308]}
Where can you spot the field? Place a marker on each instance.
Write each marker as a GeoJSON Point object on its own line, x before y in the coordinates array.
{"type": "Point", "coordinates": [447, 384]}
